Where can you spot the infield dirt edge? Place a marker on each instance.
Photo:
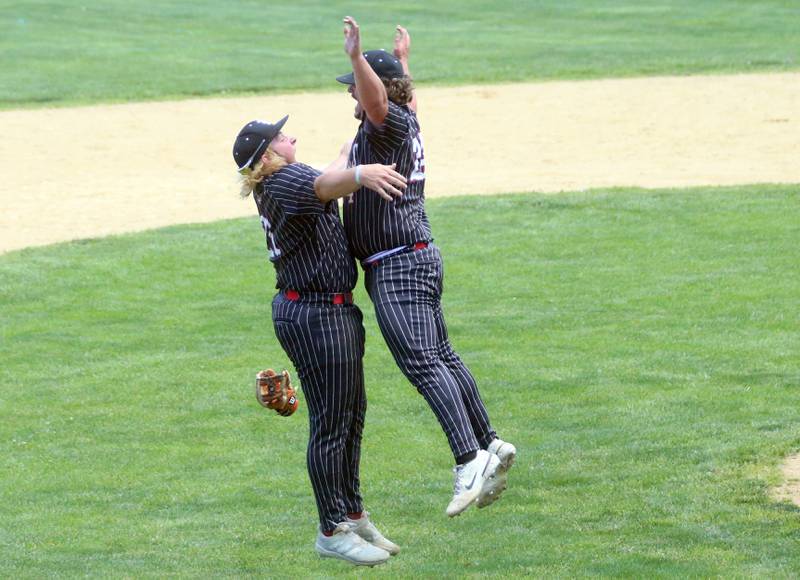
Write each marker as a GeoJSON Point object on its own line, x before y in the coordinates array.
{"type": "Point", "coordinates": [130, 167]}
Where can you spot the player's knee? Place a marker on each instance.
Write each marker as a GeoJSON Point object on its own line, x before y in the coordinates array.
{"type": "Point", "coordinates": [421, 357]}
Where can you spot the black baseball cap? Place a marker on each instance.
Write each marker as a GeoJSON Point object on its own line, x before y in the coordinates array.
{"type": "Point", "coordinates": [253, 140]}
{"type": "Point", "coordinates": [385, 65]}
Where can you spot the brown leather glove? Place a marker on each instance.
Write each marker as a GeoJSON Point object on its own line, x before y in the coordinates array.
{"type": "Point", "coordinates": [275, 391]}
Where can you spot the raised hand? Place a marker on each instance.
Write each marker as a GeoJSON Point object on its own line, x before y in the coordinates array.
{"type": "Point", "coordinates": [352, 38]}
{"type": "Point", "coordinates": [402, 43]}
{"type": "Point", "coordinates": [402, 46]}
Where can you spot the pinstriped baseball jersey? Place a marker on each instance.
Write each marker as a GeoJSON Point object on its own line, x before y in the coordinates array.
{"type": "Point", "coordinates": [305, 238]}
{"type": "Point", "coordinates": [373, 224]}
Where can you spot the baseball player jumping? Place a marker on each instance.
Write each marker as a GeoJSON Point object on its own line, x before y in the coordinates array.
{"type": "Point", "coordinates": [316, 321]}
{"type": "Point", "coordinates": [403, 268]}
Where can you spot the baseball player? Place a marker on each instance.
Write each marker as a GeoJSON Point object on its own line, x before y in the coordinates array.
{"type": "Point", "coordinates": [316, 321]}
{"type": "Point", "coordinates": [403, 268]}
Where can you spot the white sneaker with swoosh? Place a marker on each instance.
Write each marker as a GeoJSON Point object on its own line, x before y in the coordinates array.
{"type": "Point", "coordinates": [470, 479]}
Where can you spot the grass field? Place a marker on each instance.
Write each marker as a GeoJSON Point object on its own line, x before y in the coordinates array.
{"type": "Point", "coordinates": [63, 52]}
{"type": "Point", "coordinates": [640, 348]}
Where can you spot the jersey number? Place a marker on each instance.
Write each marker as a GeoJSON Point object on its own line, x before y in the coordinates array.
{"type": "Point", "coordinates": [274, 251]}
{"type": "Point", "coordinates": [418, 174]}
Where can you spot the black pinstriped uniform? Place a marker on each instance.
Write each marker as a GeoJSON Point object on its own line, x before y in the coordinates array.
{"type": "Point", "coordinates": [325, 341]}
{"type": "Point", "coordinates": [406, 288]}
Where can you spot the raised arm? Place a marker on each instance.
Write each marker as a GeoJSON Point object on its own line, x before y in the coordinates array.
{"type": "Point", "coordinates": [341, 161]}
{"type": "Point", "coordinates": [370, 91]}
{"type": "Point", "coordinates": [402, 47]}
{"type": "Point", "coordinates": [382, 179]}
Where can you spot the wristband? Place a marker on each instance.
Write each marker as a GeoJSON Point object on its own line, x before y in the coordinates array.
{"type": "Point", "coordinates": [358, 174]}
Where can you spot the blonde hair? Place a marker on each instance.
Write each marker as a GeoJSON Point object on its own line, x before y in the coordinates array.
{"type": "Point", "coordinates": [251, 179]}
{"type": "Point", "coordinates": [400, 90]}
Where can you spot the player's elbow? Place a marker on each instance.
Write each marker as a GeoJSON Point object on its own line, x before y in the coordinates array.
{"type": "Point", "coordinates": [321, 190]}
{"type": "Point", "coordinates": [377, 115]}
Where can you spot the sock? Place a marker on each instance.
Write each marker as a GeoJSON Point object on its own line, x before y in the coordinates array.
{"type": "Point", "coordinates": [461, 460]}
{"type": "Point", "coordinates": [355, 515]}
{"type": "Point", "coordinates": [327, 533]}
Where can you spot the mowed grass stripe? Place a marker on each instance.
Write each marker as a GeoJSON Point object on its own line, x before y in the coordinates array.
{"type": "Point", "coordinates": [639, 347]}
{"type": "Point", "coordinates": [62, 52]}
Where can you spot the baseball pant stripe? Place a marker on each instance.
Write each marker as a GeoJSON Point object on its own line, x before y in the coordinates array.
{"type": "Point", "coordinates": [326, 346]}
{"type": "Point", "coordinates": [473, 403]}
{"type": "Point", "coordinates": [406, 291]}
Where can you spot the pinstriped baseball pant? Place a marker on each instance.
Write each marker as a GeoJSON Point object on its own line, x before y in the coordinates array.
{"type": "Point", "coordinates": [406, 290]}
{"type": "Point", "coordinates": [325, 343]}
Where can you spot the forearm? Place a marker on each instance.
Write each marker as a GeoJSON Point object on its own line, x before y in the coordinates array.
{"type": "Point", "coordinates": [371, 92]}
{"type": "Point", "coordinates": [412, 104]}
{"type": "Point", "coordinates": [402, 48]}
{"type": "Point", "coordinates": [337, 164]}
{"type": "Point", "coordinates": [335, 183]}
{"type": "Point", "coordinates": [383, 180]}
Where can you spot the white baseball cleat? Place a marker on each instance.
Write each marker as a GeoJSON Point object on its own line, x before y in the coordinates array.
{"type": "Point", "coordinates": [367, 530]}
{"type": "Point", "coordinates": [506, 453]}
{"type": "Point", "coordinates": [345, 544]}
{"type": "Point", "coordinates": [470, 479]}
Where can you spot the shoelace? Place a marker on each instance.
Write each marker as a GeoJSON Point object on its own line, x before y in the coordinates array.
{"type": "Point", "coordinates": [346, 527]}
{"type": "Point", "coordinates": [343, 528]}
{"type": "Point", "coordinates": [365, 528]}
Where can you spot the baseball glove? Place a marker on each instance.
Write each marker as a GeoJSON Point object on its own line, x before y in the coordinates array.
{"type": "Point", "coordinates": [275, 391]}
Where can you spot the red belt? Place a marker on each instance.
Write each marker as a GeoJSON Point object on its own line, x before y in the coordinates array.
{"type": "Point", "coordinates": [333, 298]}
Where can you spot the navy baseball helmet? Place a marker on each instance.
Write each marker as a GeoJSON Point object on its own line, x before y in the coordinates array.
{"type": "Point", "coordinates": [253, 140]}
{"type": "Point", "coordinates": [385, 65]}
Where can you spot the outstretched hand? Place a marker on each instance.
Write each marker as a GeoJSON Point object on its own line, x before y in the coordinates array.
{"type": "Point", "coordinates": [402, 43]}
{"type": "Point", "coordinates": [402, 46]}
{"type": "Point", "coordinates": [383, 180]}
{"type": "Point", "coordinates": [352, 38]}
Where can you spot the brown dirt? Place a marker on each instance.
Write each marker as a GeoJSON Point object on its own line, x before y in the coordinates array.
{"type": "Point", "coordinates": [94, 171]}
{"type": "Point", "coordinates": [789, 490]}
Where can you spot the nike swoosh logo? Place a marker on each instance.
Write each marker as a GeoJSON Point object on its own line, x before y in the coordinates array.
{"type": "Point", "coordinates": [471, 483]}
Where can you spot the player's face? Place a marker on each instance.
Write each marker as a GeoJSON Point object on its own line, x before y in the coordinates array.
{"type": "Point", "coordinates": [354, 93]}
{"type": "Point", "coordinates": [284, 146]}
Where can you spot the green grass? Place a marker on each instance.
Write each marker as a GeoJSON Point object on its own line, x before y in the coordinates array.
{"type": "Point", "coordinates": [64, 52]}
{"type": "Point", "coordinates": [639, 347]}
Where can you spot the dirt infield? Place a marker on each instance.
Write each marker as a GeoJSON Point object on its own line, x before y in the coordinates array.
{"type": "Point", "coordinates": [121, 168]}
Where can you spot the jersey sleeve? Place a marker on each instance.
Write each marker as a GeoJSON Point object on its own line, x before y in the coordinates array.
{"type": "Point", "coordinates": [394, 130]}
{"type": "Point", "coordinates": [292, 187]}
